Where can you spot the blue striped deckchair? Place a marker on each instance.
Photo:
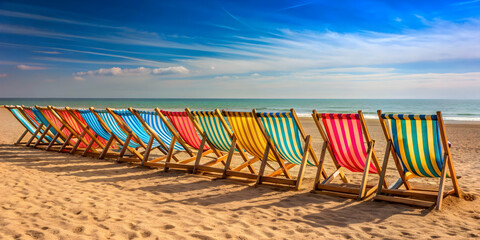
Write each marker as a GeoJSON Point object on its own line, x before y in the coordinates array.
{"type": "Point", "coordinates": [122, 134]}
{"type": "Point", "coordinates": [30, 126]}
{"type": "Point", "coordinates": [156, 127]}
{"type": "Point", "coordinates": [54, 127]}
{"type": "Point", "coordinates": [419, 146]}
{"type": "Point", "coordinates": [347, 140]}
{"type": "Point", "coordinates": [216, 132]}
{"type": "Point", "coordinates": [288, 142]}
{"type": "Point", "coordinates": [97, 127]}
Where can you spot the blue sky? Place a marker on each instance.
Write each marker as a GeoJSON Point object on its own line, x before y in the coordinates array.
{"type": "Point", "coordinates": [240, 49]}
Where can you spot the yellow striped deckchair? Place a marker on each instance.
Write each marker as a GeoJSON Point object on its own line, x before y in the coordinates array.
{"type": "Point", "coordinates": [276, 137]}
{"type": "Point", "coordinates": [344, 136]}
{"type": "Point", "coordinates": [419, 146]}
{"type": "Point", "coordinates": [216, 133]}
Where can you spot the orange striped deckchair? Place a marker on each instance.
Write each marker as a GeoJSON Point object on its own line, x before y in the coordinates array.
{"type": "Point", "coordinates": [216, 133]}
{"type": "Point", "coordinates": [184, 128]}
{"type": "Point", "coordinates": [348, 142]}
{"type": "Point", "coordinates": [276, 137]}
{"type": "Point", "coordinates": [73, 118]}
{"type": "Point", "coordinates": [64, 130]}
{"type": "Point", "coordinates": [47, 132]}
{"type": "Point", "coordinates": [419, 147]}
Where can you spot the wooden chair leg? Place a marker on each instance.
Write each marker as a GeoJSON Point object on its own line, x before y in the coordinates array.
{"type": "Point", "coordinates": [230, 156]}
{"type": "Point", "coordinates": [43, 136]}
{"type": "Point", "coordinates": [384, 168]}
{"type": "Point", "coordinates": [363, 185]}
{"type": "Point", "coordinates": [54, 139]}
{"type": "Point", "coordinates": [262, 167]}
{"type": "Point", "coordinates": [107, 147]}
{"type": "Point", "coordinates": [124, 148]}
{"type": "Point", "coordinates": [147, 151]}
{"type": "Point", "coordinates": [21, 137]}
{"type": "Point", "coordinates": [301, 171]}
{"type": "Point", "coordinates": [169, 155]}
{"type": "Point", "coordinates": [441, 187]}
{"type": "Point", "coordinates": [199, 156]}
{"type": "Point", "coordinates": [67, 141]}
{"type": "Point", "coordinates": [320, 166]}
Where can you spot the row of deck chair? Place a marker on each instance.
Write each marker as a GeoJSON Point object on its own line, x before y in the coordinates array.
{"type": "Point", "coordinates": [207, 141]}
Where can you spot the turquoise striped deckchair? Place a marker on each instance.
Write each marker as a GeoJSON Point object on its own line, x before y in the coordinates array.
{"type": "Point", "coordinates": [31, 127]}
{"type": "Point", "coordinates": [148, 125]}
{"type": "Point", "coordinates": [419, 146]}
{"type": "Point", "coordinates": [289, 144]}
{"type": "Point", "coordinates": [122, 134]}
{"type": "Point", "coordinates": [216, 132]}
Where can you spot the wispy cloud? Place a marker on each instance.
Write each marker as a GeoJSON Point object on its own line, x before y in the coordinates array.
{"type": "Point", "coordinates": [2, 75]}
{"type": "Point", "coordinates": [27, 67]}
{"type": "Point", "coordinates": [466, 2]}
{"type": "Point", "coordinates": [78, 78]}
{"type": "Point", "coordinates": [48, 52]}
{"type": "Point", "coordinates": [117, 71]}
{"type": "Point", "coordinates": [298, 5]}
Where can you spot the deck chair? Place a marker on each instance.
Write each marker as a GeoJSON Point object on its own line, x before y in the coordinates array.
{"type": "Point", "coordinates": [182, 127]}
{"type": "Point", "coordinates": [276, 137]}
{"type": "Point", "coordinates": [63, 130]}
{"type": "Point", "coordinates": [344, 138]}
{"type": "Point", "coordinates": [30, 126]}
{"type": "Point", "coordinates": [73, 118]}
{"type": "Point", "coordinates": [216, 133]}
{"type": "Point", "coordinates": [155, 125]}
{"type": "Point", "coordinates": [53, 126]}
{"type": "Point", "coordinates": [116, 127]}
{"type": "Point", "coordinates": [46, 136]}
{"type": "Point", "coordinates": [98, 128]}
{"type": "Point", "coordinates": [419, 147]}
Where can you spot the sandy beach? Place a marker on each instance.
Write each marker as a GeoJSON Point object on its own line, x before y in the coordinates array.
{"type": "Point", "coordinates": [51, 195]}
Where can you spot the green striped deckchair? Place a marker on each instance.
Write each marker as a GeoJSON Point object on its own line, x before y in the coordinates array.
{"type": "Point", "coordinates": [216, 133]}
{"type": "Point", "coordinates": [419, 146]}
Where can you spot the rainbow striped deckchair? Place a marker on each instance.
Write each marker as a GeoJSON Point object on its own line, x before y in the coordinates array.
{"type": "Point", "coordinates": [276, 137]}
{"type": "Point", "coordinates": [344, 138]}
{"type": "Point", "coordinates": [96, 126]}
{"type": "Point", "coordinates": [216, 133]}
{"type": "Point", "coordinates": [184, 128]}
{"type": "Point", "coordinates": [121, 133]}
{"type": "Point", "coordinates": [31, 126]}
{"type": "Point", "coordinates": [419, 146]}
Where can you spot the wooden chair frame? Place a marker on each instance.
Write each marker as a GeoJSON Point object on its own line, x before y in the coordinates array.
{"type": "Point", "coordinates": [38, 128]}
{"type": "Point", "coordinates": [358, 192]}
{"type": "Point", "coordinates": [43, 130]}
{"type": "Point", "coordinates": [418, 197]}
{"type": "Point", "coordinates": [221, 157]}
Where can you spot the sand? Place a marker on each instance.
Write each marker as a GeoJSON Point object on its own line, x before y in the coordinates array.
{"type": "Point", "coordinates": [51, 195]}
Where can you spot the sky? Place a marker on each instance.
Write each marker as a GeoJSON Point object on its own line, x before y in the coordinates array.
{"type": "Point", "coordinates": [240, 49]}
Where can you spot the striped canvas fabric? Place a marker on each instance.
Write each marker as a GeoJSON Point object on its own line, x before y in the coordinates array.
{"type": "Point", "coordinates": [32, 116]}
{"type": "Point", "coordinates": [185, 128]}
{"type": "Point", "coordinates": [48, 114]}
{"type": "Point", "coordinates": [159, 127]}
{"type": "Point", "coordinates": [213, 129]}
{"type": "Point", "coordinates": [115, 128]}
{"type": "Point", "coordinates": [40, 118]}
{"type": "Point", "coordinates": [344, 131]}
{"type": "Point", "coordinates": [78, 129]}
{"type": "Point", "coordinates": [93, 123]}
{"type": "Point", "coordinates": [248, 133]}
{"type": "Point", "coordinates": [24, 121]}
{"type": "Point", "coordinates": [283, 130]}
{"type": "Point", "coordinates": [417, 142]}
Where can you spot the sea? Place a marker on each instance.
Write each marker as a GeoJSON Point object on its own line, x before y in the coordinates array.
{"type": "Point", "coordinates": [452, 110]}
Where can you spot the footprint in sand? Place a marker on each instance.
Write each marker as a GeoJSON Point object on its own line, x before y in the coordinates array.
{"type": "Point", "coordinates": [35, 234]}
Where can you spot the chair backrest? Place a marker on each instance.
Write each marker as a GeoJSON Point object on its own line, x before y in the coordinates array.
{"type": "Point", "coordinates": [42, 119]}
{"type": "Point", "coordinates": [417, 143]}
{"type": "Point", "coordinates": [185, 128]}
{"type": "Point", "coordinates": [65, 115]}
{"type": "Point", "coordinates": [21, 118]}
{"type": "Point", "coordinates": [284, 132]}
{"type": "Point", "coordinates": [112, 124]}
{"type": "Point", "coordinates": [213, 129]}
{"type": "Point", "coordinates": [345, 134]}
{"type": "Point", "coordinates": [56, 123]}
{"type": "Point", "coordinates": [248, 133]}
{"type": "Point", "coordinates": [93, 123]}
{"type": "Point", "coordinates": [29, 113]}
{"type": "Point", "coordinates": [134, 124]}
{"type": "Point", "coordinates": [152, 119]}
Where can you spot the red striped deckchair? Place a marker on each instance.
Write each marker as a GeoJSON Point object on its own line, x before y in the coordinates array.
{"type": "Point", "coordinates": [64, 131]}
{"type": "Point", "coordinates": [419, 147]}
{"type": "Point", "coordinates": [184, 127]}
{"type": "Point", "coordinates": [77, 124]}
{"type": "Point", "coordinates": [43, 127]}
{"type": "Point", "coordinates": [344, 137]}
